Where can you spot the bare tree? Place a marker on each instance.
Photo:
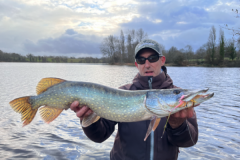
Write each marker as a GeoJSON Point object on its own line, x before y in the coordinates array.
{"type": "Point", "coordinates": [188, 52]}
{"type": "Point", "coordinates": [122, 49]}
{"type": "Point", "coordinates": [131, 44]}
{"type": "Point", "coordinates": [221, 46]}
{"type": "Point", "coordinates": [132, 33]}
{"type": "Point", "coordinates": [231, 50]}
{"type": "Point", "coordinates": [118, 51]}
{"type": "Point", "coordinates": [201, 53]}
{"type": "Point", "coordinates": [235, 31]}
{"type": "Point", "coordinates": [122, 46]}
{"type": "Point", "coordinates": [30, 56]}
{"type": "Point", "coordinates": [212, 43]}
{"type": "Point", "coordinates": [171, 54]}
{"type": "Point", "coordinates": [208, 50]}
{"type": "Point", "coordinates": [130, 50]}
{"type": "Point", "coordinates": [109, 48]}
{"type": "Point", "coordinates": [140, 35]}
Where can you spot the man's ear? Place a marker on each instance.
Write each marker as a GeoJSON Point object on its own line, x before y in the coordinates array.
{"type": "Point", "coordinates": [136, 64]}
{"type": "Point", "coordinates": [163, 59]}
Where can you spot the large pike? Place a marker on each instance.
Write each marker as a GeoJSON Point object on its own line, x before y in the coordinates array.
{"type": "Point", "coordinates": [109, 103]}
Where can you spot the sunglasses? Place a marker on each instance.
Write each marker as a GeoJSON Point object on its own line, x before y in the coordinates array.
{"type": "Point", "coordinates": [151, 59]}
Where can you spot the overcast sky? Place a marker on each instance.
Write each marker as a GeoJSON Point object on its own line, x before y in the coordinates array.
{"type": "Point", "coordinates": [77, 27]}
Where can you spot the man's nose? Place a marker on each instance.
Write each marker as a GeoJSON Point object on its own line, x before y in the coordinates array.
{"type": "Point", "coordinates": [147, 63]}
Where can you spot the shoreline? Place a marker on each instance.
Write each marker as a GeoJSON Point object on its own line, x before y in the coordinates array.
{"type": "Point", "coordinates": [227, 65]}
{"type": "Point", "coordinates": [174, 65]}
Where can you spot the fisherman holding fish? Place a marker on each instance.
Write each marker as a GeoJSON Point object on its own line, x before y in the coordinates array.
{"type": "Point", "coordinates": [181, 129]}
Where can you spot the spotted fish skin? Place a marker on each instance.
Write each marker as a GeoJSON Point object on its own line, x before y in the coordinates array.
{"type": "Point", "coordinates": [118, 105]}
{"type": "Point", "coordinates": [113, 104]}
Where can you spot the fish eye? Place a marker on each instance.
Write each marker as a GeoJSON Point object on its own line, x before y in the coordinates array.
{"type": "Point", "coordinates": [176, 91]}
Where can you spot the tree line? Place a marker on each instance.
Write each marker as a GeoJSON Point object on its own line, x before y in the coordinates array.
{"type": "Point", "coordinates": [121, 49]}
{"type": "Point", "coordinates": [14, 57]}
{"type": "Point", "coordinates": [221, 52]}
{"type": "Point", "coordinates": [214, 52]}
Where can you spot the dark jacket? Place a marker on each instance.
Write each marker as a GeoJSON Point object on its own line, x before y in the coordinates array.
{"type": "Point", "coordinates": [129, 143]}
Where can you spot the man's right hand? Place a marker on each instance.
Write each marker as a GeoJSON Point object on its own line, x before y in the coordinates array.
{"type": "Point", "coordinates": [80, 111]}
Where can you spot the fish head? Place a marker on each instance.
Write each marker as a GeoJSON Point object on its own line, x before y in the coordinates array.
{"type": "Point", "coordinates": [164, 101]}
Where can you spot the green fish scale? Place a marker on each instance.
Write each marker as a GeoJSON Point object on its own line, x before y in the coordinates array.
{"type": "Point", "coordinates": [109, 103]}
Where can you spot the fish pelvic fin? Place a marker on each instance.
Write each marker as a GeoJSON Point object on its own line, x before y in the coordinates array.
{"type": "Point", "coordinates": [22, 106]}
{"type": "Point", "coordinates": [152, 126]}
{"type": "Point", "coordinates": [48, 114]}
{"type": "Point", "coordinates": [88, 120]}
{"type": "Point", "coordinates": [156, 124]}
{"type": "Point", "coordinates": [45, 83]}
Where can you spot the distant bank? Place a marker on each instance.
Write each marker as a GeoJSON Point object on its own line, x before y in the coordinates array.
{"type": "Point", "coordinates": [235, 63]}
{"type": "Point", "coordinates": [178, 60]}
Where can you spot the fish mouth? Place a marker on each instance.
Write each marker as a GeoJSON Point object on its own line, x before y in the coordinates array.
{"type": "Point", "coordinates": [204, 97]}
{"type": "Point", "coordinates": [192, 95]}
{"type": "Point", "coordinates": [208, 95]}
{"type": "Point", "coordinates": [197, 96]}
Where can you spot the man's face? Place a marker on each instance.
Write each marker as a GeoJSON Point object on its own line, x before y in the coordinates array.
{"type": "Point", "coordinates": [150, 69]}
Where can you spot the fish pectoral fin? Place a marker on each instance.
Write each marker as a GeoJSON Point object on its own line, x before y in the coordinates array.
{"type": "Point", "coordinates": [92, 118]}
{"type": "Point", "coordinates": [152, 126]}
{"type": "Point", "coordinates": [48, 114]}
{"type": "Point", "coordinates": [45, 83]}
{"type": "Point", "coordinates": [96, 119]}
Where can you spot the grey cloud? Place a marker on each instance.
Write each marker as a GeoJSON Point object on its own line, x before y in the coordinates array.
{"type": "Point", "coordinates": [68, 43]}
{"type": "Point", "coordinates": [198, 21]}
{"type": "Point", "coordinates": [194, 12]}
{"type": "Point", "coordinates": [153, 28]}
{"type": "Point", "coordinates": [195, 37]}
{"type": "Point", "coordinates": [8, 10]}
{"type": "Point", "coordinates": [186, 11]}
{"type": "Point", "coordinates": [190, 14]}
{"type": "Point", "coordinates": [21, 21]}
{"type": "Point", "coordinates": [70, 32]}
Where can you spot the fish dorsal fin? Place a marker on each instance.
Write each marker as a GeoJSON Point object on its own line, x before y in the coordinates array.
{"type": "Point", "coordinates": [45, 83]}
{"type": "Point", "coordinates": [48, 114]}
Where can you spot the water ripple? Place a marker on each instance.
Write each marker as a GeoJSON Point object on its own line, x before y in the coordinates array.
{"type": "Point", "coordinates": [218, 119]}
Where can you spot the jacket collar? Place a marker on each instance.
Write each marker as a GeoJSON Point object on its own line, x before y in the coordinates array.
{"type": "Point", "coordinates": [159, 82]}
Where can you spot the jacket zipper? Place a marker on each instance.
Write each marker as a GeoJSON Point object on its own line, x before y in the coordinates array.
{"type": "Point", "coordinates": [152, 133]}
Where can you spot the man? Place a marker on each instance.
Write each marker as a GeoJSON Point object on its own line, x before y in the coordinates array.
{"type": "Point", "coordinates": [181, 131]}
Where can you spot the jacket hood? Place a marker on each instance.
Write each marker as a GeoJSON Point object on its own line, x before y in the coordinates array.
{"type": "Point", "coordinates": [162, 81]}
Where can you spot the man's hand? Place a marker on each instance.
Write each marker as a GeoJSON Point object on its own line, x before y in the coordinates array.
{"type": "Point", "coordinates": [178, 118]}
{"type": "Point", "coordinates": [80, 111]}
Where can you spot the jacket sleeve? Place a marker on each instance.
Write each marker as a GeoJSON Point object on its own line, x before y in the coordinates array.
{"type": "Point", "coordinates": [185, 135]}
{"type": "Point", "coordinates": [100, 130]}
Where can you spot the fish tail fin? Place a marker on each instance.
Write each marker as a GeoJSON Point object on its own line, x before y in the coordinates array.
{"type": "Point", "coordinates": [22, 106]}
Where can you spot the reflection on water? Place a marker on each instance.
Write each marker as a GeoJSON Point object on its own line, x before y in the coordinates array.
{"type": "Point", "coordinates": [218, 118]}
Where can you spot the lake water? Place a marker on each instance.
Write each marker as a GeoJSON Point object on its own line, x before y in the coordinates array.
{"type": "Point", "coordinates": [218, 118]}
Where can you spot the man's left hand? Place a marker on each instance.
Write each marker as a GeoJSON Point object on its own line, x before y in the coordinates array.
{"type": "Point", "coordinates": [178, 118]}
